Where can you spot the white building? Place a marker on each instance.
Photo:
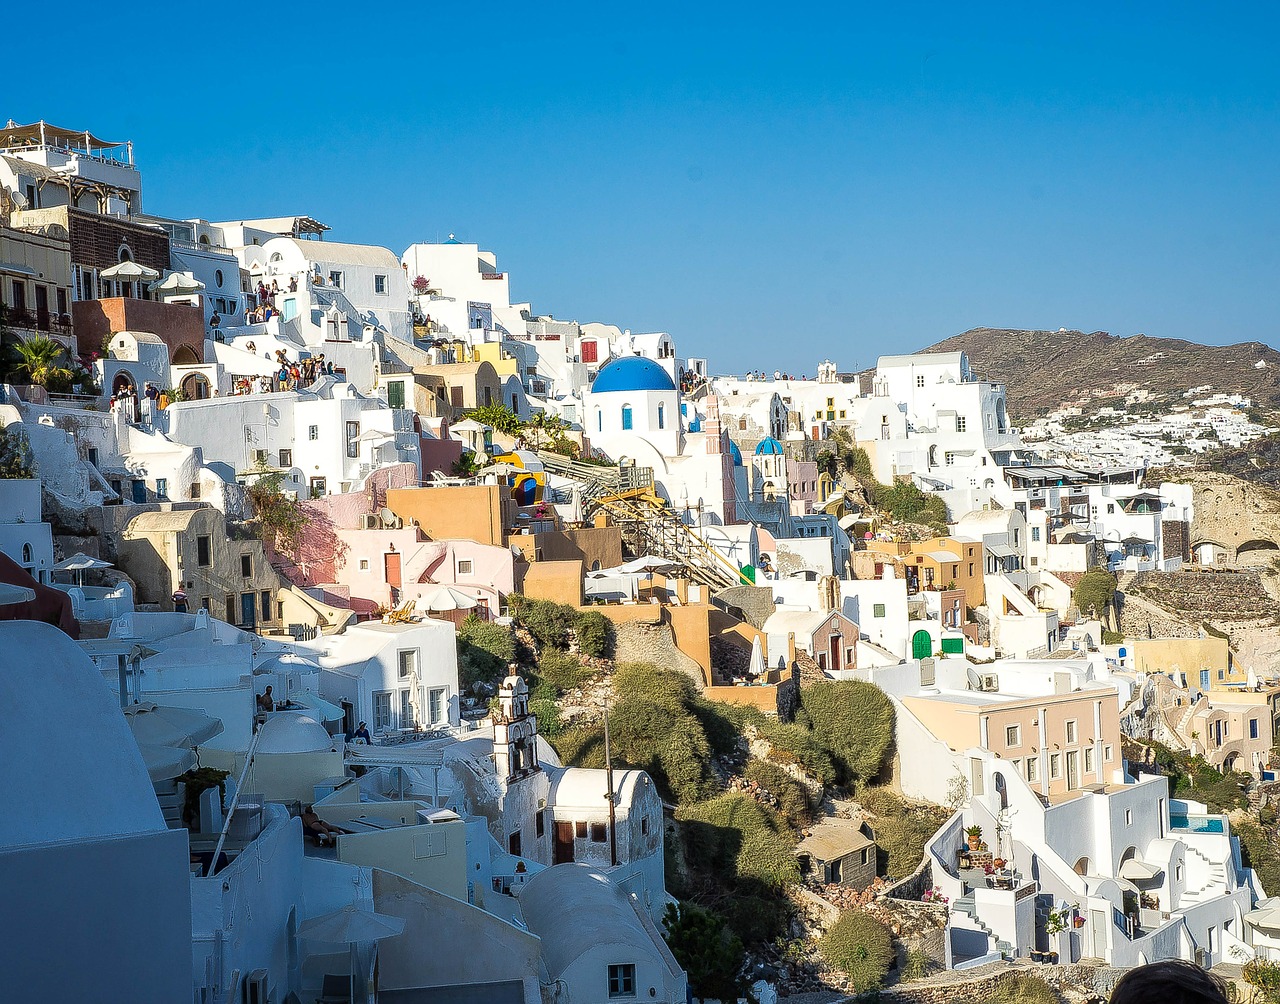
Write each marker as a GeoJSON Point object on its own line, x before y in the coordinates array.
{"type": "Point", "coordinates": [24, 536]}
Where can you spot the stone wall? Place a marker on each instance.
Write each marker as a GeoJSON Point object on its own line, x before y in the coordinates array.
{"type": "Point", "coordinates": [1094, 982]}
{"type": "Point", "coordinates": [1231, 512]}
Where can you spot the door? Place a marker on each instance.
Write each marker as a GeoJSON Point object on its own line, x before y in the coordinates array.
{"type": "Point", "coordinates": [921, 645]}
{"type": "Point", "coordinates": [1098, 925]}
{"type": "Point", "coordinates": [1073, 770]}
{"type": "Point", "coordinates": [395, 395]}
{"type": "Point", "coordinates": [834, 643]}
{"type": "Point", "coordinates": [562, 851]}
{"type": "Point", "coordinates": [140, 492]}
{"type": "Point", "coordinates": [248, 609]}
{"type": "Point", "coordinates": [42, 307]}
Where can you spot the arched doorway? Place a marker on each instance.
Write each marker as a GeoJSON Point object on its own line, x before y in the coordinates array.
{"type": "Point", "coordinates": [185, 355]}
{"type": "Point", "coordinates": [194, 387]}
{"type": "Point", "coordinates": [921, 645]}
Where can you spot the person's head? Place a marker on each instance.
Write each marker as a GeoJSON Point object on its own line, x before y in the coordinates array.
{"type": "Point", "coordinates": [1169, 982]}
{"type": "Point", "coordinates": [361, 725]}
{"type": "Point", "coordinates": [268, 690]}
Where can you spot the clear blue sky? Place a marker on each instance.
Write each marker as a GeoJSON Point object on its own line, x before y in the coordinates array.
{"type": "Point", "coordinates": [771, 184]}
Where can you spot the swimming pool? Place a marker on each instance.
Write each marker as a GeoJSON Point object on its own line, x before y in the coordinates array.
{"type": "Point", "coordinates": [1194, 824]}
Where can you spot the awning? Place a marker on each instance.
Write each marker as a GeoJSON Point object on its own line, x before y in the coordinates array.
{"type": "Point", "coordinates": [328, 712]}
{"type": "Point", "coordinates": [1265, 914]}
{"type": "Point", "coordinates": [1136, 870]}
{"type": "Point", "coordinates": [1000, 550]}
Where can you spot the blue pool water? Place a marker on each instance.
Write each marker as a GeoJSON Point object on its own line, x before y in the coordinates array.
{"type": "Point", "coordinates": [1194, 824]}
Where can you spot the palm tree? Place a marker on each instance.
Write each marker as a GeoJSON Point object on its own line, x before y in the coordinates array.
{"type": "Point", "coordinates": [41, 358]}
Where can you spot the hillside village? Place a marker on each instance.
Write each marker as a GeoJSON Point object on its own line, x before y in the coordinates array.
{"type": "Point", "coordinates": [418, 622]}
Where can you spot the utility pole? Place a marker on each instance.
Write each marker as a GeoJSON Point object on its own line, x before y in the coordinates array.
{"type": "Point", "coordinates": [608, 780]}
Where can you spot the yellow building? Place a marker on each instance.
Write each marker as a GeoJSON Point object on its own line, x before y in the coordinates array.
{"type": "Point", "coordinates": [1206, 661]}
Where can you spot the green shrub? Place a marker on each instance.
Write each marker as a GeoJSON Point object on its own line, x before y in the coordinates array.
{"type": "Point", "coordinates": [796, 743]}
{"type": "Point", "coordinates": [580, 746]}
{"type": "Point", "coordinates": [734, 831]}
{"type": "Point", "coordinates": [860, 947]}
{"type": "Point", "coordinates": [548, 715]}
{"type": "Point", "coordinates": [853, 721]}
{"type": "Point", "coordinates": [1095, 590]}
{"type": "Point", "coordinates": [485, 650]}
{"type": "Point", "coordinates": [918, 965]}
{"type": "Point", "coordinates": [595, 634]}
{"type": "Point", "coordinates": [665, 741]}
{"type": "Point", "coordinates": [707, 950]}
{"type": "Point", "coordinates": [1258, 850]}
{"type": "Point", "coordinates": [1022, 988]}
{"type": "Point", "coordinates": [549, 623]}
{"type": "Point", "coordinates": [794, 801]}
{"type": "Point", "coordinates": [645, 681]}
{"type": "Point", "coordinates": [1112, 638]}
{"type": "Point", "coordinates": [722, 726]}
{"type": "Point", "coordinates": [561, 670]}
{"type": "Point", "coordinates": [902, 829]}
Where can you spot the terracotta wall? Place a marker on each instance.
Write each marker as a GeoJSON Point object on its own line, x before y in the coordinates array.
{"type": "Point", "coordinates": [558, 581]}
{"type": "Point", "coordinates": [175, 324]}
{"type": "Point", "coordinates": [469, 512]}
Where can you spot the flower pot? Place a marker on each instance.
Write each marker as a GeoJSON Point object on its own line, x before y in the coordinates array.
{"type": "Point", "coordinates": [975, 843]}
{"type": "Point", "coordinates": [1053, 958]}
{"type": "Point", "coordinates": [1078, 923]}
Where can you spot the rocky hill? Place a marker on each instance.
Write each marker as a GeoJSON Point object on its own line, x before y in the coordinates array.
{"type": "Point", "coordinates": [1044, 370]}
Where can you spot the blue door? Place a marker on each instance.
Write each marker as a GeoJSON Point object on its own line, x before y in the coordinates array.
{"type": "Point", "coordinates": [140, 492]}
{"type": "Point", "coordinates": [247, 610]}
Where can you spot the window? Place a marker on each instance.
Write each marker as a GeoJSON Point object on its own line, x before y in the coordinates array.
{"type": "Point", "coordinates": [313, 432]}
{"type": "Point", "coordinates": [1013, 735]}
{"type": "Point", "coordinates": [599, 833]}
{"type": "Point", "coordinates": [1035, 533]}
{"type": "Point", "coordinates": [408, 663]}
{"type": "Point", "coordinates": [580, 831]}
{"type": "Point", "coordinates": [662, 415]}
{"type": "Point", "coordinates": [1253, 728]}
{"type": "Point", "coordinates": [92, 455]}
{"type": "Point", "coordinates": [961, 422]}
{"type": "Point", "coordinates": [920, 381]}
{"type": "Point", "coordinates": [260, 457]}
{"type": "Point", "coordinates": [950, 458]}
{"type": "Point", "coordinates": [353, 439]}
{"type": "Point", "coordinates": [1033, 768]}
{"type": "Point", "coordinates": [194, 491]}
{"type": "Point", "coordinates": [1128, 817]}
{"type": "Point", "coordinates": [877, 610]}
{"type": "Point", "coordinates": [286, 458]}
{"type": "Point", "coordinates": [231, 609]}
{"type": "Point", "coordinates": [1055, 765]}
{"type": "Point", "coordinates": [513, 844]}
{"type": "Point", "coordinates": [246, 565]}
{"type": "Point", "coordinates": [866, 855]}
{"type": "Point", "coordinates": [435, 708]}
{"type": "Point", "coordinates": [335, 279]}
{"type": "Point", "coordinates": [622, 981]}
{"type": "Point", "coordinates": [464, 566]}
{"type": "Point", "coordinates": [217, 277]}
{"type": "Point", "coordinates": [406, 709]}
{"type": "Point", "coordinates": [1106, 753]}
{"type": "Point", "coordinates": [318, 487]}
{"type": "Point", "coordinates": [265, 598]}
{"type": "Point", "coordinates": [644, 825]}
{"type": "Point", "coordinates": [539, 827]}
{"type": "Point", "coordinates": [1088, 759]}
{"type": "Point", "coordinates": [382, 711]}
{"type": "Point", "coordinates": [1071, 731]}
{"type": "Point", "coordinates": [599, 420]}
{"type": "Point", "coordinates": [1204, 679]}
{"type": "Point", "coordinates": [626, 416]}
{"type": "Point", "coordinates": [1110, 507]}
{"type": "Point", "coordinates": [162, 488]}
{"type": "Point", "coordinates": [379, 283]}
{"type": "Point", "coordinates": [204, 547]}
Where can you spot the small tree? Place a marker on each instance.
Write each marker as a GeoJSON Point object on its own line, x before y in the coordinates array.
{"type": "Point", "coordinates": [280, 516]}
{"type": "Point", "coordinates": [43, 360]}
{"type": "Point", "coordinates": [421, 284]}
{"type": "Point", "coordinates": [499, 416]}
{"type": "Point", "coordinates": [707, 950]}
{"type": "Point", "coordinates": [15, 455]}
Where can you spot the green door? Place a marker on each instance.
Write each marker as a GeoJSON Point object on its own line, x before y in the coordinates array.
{"type": "Point", "coordinates": [921, 645]}
{"type": "Point", "coordinates": [395, 394]}
{"type": "Point", "coordinates": [953, 646]}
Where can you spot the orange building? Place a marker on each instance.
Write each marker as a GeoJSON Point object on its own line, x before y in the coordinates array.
{"type": "Point", "coordinates": [938, 563]}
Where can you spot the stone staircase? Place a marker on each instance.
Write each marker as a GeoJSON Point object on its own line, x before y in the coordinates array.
{"type": "Point", "coordinates": [966, 905]}
{"type": "Point", "coordinates": [1217, 881]}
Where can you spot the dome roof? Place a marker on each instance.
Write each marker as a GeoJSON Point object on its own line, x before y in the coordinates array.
{"type": "Point", "coordinates": [770, 446]}
{"type": "Point", "coordinates": [631, 373]}
{"type": "Point", "coordinates": [293, 733]}
{"type": "Point", "coordinates": [735, 453]}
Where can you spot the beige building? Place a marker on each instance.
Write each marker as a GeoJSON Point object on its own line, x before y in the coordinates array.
{"type": "Point", "coordinates": [190, 549]}
{"type": "Point", "coordinates": [940, 563]}
{"type": "Point", "coordinates": [1206, 662]}
{"type": "Point", "coordinates": [35, 281]}
{"type": "Point", "coordinates": [1233, 729]}
{"type": "Point", "coordinates": [1059, 742]}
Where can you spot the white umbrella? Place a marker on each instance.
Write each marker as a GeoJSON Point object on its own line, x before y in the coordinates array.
{"type": "Point", "coordinates": [470, 425]}
{"type": "Point", "coordinates": [129, 271]}
{"type": "Point", "coordinates": [756, 666]}
{"type": "Point", "coordinates": [11, 595]}
{"type": "Point", "coordinates": [646, 563]}
{"type": "Point", "coordinates": [157, 726]}
{"type": "Point", "coordinates": [1265, 914]}
{"type": "Point", "coordinates": [80, 563]}
{"type": "Point", "coordinates": [164, 763]}
{"type": "Point", "coordinates": [351, 925]}
{"type": "Point", "coordinates": [176, 282]}
{"type": "Point", "coordinates": [282, 661]}
{"type": "Point", "coordinates": [446, 598]}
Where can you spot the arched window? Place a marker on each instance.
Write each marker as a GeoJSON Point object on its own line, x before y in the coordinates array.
{"type": "Point", "coordinates": [662, 412]}
{"type": "Point", "coordinates": [124, 254]}
{"type": "Point", "coordinates": [599, 420]}
{"type": "Point", "coordinates": [217, 275]}
{"type": "Point", "coordinates": [626, 416]}
{"type": "Point", "coordinates": [27, 557]}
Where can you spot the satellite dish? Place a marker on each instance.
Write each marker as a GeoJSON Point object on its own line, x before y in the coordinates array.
{"type": "Point", "coordinates": [388, 517]}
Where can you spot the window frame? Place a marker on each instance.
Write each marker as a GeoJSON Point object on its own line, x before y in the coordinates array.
{"type": "Point", "coordinates": [622, 980]}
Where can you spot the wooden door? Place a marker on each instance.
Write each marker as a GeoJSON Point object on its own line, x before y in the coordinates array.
{"type": "Point", "coordinates": [562, 852]}
{"type": "Point", "coordinates": [836, 641]}
{"type": "Point", "coordinates": [391, 566]}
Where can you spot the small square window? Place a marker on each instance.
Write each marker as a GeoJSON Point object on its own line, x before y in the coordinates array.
{"type": "Point", "coordinates": [580, 830]}
{"type": "Point", "coordinates": [464, 566]}
{"type": "Point", "coordinates": [1013, 735]}
{"type": "Point", "coordinates": [599, 833]}
{"type": "Point", "coordinates": [920, 381]}
{"type": "Point", "coordinates": [622, 981]}
{"type": "Point", "coordinates": [313, 432]}
{"type": "Point", "coordinates": [380, 286]}
{"type": "Point", "coordinates": [877, 610]}
{"type": "Point", "coordinates": [286, 458]}
{"type": "Point", "coordinates": [1106, 753]}
{"type": "Point", "coordinates": [364, 564]}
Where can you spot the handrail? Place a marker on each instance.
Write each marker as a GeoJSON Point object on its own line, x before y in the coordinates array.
{"type": "Point", "coordinates": [235, 799]}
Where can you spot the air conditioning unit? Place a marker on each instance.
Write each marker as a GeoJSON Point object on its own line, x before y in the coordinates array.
{"type": "Point", "coordinates": [990, 682]}
{"type": "Point", "coordinates": [370, 521]}
{"type": "Point", "coordinates": [255, 988]}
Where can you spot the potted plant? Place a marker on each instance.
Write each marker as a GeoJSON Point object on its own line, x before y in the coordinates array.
{"type": "Point", "coordinates": [999, 864]}
{"type": "Point", "coordinates": [974, 833]}
{"type": "Point", "coordinates": [1077, 922]}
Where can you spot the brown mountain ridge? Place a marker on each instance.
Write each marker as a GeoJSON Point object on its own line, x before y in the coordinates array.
{"type": "Point", "coordinates": [1043, 370]}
